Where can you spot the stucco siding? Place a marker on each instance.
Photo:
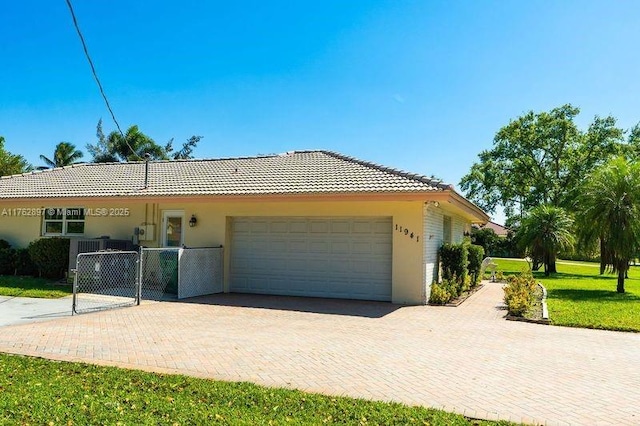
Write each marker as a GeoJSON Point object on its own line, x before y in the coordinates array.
{"type": "Point", "coordinates": [213, 227]}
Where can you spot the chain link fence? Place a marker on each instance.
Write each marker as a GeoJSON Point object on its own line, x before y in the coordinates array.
{"type": "Point", "coordinates": [200, 272]}
{"type": "Point", "coordinates": [159, 273]}
{"type": "Point", "coordinates": [112, 279]}
{"type": "Point", "coordinates": [105, 280]}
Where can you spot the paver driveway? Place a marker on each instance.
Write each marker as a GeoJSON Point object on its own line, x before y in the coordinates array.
{"type": "Point", "coordinates": [466, 359]}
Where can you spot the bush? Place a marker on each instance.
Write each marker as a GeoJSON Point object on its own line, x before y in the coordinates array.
{"type": "Point", "coordinates": [475, 255]}
{"type": "Point", "coordinates": [439, 294]}
{"type": "Point", "coordinates": [6, 261]}
{"type": "Point", "coordinates": [50, 256]}
{"type": "Point", "coordinates": [4, 244]}
{"type": "Point", "coordinates": [22, 263]}
{"type": "Point", "coordinates": [454, 261]}
{"type": "Point", "coordinates": [519, 293]}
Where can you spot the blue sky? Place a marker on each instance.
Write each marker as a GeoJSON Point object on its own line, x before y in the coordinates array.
{"type": "Point", "coordinates": [418, 85]}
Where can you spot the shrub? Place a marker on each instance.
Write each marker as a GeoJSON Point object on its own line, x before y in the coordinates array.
{"type": "Point", "coordinates": [22, 263]}
{"type": "Point", "coordinates": [6, 261]}
{"type": "Point", "coordinates": [4, 244]}
{"type": "Point", "coordinates": [454, 261]}
{"type": "Point", "coordinates": [453, 286]}
{"type": "Point", "coordinates": [439, 294]}
{"type": "Point", "coordinates": [519, 293]}
{"type": "Point", "coordinates": [50, 256]}
{"type": "Point", "coordinates": [475, 256]}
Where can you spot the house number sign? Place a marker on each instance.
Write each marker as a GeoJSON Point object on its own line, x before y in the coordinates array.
{"type": "Point", "coordinates": [407, 232]}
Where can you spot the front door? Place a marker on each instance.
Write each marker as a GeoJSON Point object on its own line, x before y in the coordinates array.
{"type": "Point", "coordinates": [172, 228]}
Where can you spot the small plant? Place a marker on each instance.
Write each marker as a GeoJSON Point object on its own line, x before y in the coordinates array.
{"type": "Point", "coordinates": [439, 294]}
{"type": "Point", "coordinates": [500, 276]}
{"type": "Point", "coordinates": [519, 293]}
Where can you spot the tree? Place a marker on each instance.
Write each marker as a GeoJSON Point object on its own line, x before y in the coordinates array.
{"type": "Point", "coordinates": [544, 231]}
{"type": "Point", "coordinates": [133, 145]}
{"type": "Point", "coordinates": [540, 158]}
{"type": "Point", "coordinates": [65, 154]}
{"type": "Point", "coordinates": [11, 164]}
{"type": "Point", "coordinates": [609, 212]}
{"type": "Point", "coordinates": [487, 238]}
{"type": "Point", "coordinates": [186, 151]}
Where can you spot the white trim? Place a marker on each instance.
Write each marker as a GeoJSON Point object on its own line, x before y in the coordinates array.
{"type": "Point", "coordinates": [64, 220]}
{"type": "Point", "coordinates": [168, 214]}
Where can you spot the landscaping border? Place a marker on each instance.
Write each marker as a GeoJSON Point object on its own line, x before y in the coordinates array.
{"type": "Point", "coordinates": [459, 300]}
{"type": "Point", "coordinates": [545, 311]}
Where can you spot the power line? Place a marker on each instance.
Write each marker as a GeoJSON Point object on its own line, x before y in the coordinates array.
{"type": "Point", "coordinates": [95, 76]}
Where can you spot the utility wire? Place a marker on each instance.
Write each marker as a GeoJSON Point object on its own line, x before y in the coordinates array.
{"type": "Point", "coordinates": [95, 76]}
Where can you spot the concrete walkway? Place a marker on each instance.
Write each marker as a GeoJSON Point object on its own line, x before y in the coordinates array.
{"type": "Point", "coordinates": [466, 359]}
{"type": "Point", "coordinates": [20, 310]}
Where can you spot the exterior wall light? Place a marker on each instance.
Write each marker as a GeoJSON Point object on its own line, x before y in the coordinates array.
{"type": "Point", "coordinates": [193, 221]}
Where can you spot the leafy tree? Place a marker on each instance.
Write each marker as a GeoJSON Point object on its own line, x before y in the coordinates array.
{"type": "Point", "coordinates": [186, 151]}
{"type": "Point", "coordinates": [133, 145]}
{"type": "Point", "coordinates": [65, 154]}
{"type": "Point", "coordinates": [544, 231]}
{"type": "Point", "coordinates": [540, 158]}
{"type": "Point", "coordinates": [609, 211]}
{"type": "Point", "coordinates": [11, 164]}
{"type": "Point", "coordinates": [487, 238]}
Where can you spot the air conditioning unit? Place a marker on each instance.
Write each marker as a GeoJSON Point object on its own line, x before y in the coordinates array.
{"type": "Point", "coordinates": [145, 232]}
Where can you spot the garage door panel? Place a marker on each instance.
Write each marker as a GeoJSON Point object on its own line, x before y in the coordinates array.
{"type": "Point", "coordinates": [298, 226]}
{"type": "Point", "coordinates": [362, 227]}
{"type": "Point", "coordinates": [323, 257]}
{"type": "Point", "coordinates": [279, 226]}
{"type": "Point", "coordinates": [340, 226]}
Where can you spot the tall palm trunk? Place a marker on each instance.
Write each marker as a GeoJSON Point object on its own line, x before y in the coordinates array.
{"type": "Point", "coordinates": [622, 267]}
{"type": "Point", "coordinates": [552, 263]}
{"type": "Point", "coordinates": [620, 288]}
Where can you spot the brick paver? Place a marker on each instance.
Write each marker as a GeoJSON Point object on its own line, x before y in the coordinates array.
{"type": "Point", "coordinates": [466, 359]}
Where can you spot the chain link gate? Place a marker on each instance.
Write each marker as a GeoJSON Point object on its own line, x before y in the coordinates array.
{"type": "Point", "coordinates": [106, 280]}
{"type": "Point", "coordinates": [159, 273]}
{"type": "Point", "coordinates": [113, 279]}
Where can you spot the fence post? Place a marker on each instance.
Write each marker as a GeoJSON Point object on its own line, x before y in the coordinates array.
{"type": "Point", "coordinates": [75, 289]}
{"type": "Point", "coordinates": [139, 276]}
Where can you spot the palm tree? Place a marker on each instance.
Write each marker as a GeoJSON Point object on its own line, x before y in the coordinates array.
{"type": "Point", "coordinates": [546, 230]}
{"type": "Point", "coordinates": [65, 154]}
{"type": "Point", "coordinates": [132, 146]}
{"type": "Point", "coordinates": [609, 211]}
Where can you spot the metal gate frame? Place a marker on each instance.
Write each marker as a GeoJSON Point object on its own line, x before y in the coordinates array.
{"type": "Point", "coordinates": [105, 281]}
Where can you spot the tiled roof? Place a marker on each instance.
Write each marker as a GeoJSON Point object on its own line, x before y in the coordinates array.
{"type": "Point", "coordinates": [300, 172]}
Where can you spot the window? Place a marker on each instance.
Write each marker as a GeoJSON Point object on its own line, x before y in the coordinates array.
{"type": "Point", "coordinates": [63, 221]}
{"type": "Point", "coordinates": [446, 229]}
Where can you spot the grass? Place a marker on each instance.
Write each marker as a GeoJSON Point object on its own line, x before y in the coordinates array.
{"type": "Point", "coordinates": [578, 296]}
{"type": "Point", "coordinates": [32, 287]}
{"type": "Point", "coordinates": [37, 391]}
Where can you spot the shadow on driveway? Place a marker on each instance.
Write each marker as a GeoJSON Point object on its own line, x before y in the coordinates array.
{"type": "Point", "coordinates": [359, 308]}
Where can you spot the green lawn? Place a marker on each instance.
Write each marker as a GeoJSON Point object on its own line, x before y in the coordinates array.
{"type": "Point", "coordinates": [32, 287]}
{"type": "Point", "coordinates": [580, 297]}
{"type": "Point", "coordinates": [37, 391]}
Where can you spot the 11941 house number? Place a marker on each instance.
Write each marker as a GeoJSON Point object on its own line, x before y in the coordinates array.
{"type": "Point", "coordinates": [407, 232]}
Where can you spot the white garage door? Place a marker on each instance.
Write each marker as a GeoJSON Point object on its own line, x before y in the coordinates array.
{"type": "Point", "coordinates": [321, 257]}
